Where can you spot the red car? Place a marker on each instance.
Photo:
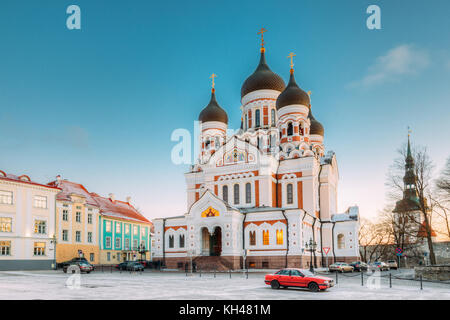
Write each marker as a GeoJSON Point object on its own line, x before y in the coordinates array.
{"type": "Point", "coordinates": [298, 278]}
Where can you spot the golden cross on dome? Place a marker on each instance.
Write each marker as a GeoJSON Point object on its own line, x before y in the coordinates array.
{"type": "Point", "coordinates": [291, 56]}
{"type": "Point", "coordinates": [409, 131]}
{"type": "Point", "coordinates": [309, 93]}
{"type": "Point", "coordinates": [261, 32]}
{"type": "Point", "coordinates": [212, 77]}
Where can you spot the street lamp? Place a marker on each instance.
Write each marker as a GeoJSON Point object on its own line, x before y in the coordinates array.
{"type": "Point", "coordinates": [311, 247]}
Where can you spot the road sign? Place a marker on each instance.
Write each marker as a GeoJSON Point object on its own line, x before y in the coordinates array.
{"type": "Point", "coordinates": [326, 249]}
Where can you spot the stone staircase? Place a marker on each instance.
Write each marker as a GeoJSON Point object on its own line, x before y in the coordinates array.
{"type": "Point", "coordinates": [209, 263]}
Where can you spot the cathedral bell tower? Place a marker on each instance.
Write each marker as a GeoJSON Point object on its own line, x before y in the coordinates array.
{"type": "Point", "coordinates": [213, 126]}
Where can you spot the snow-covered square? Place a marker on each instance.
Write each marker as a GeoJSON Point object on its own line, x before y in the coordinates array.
{"type": "Point", "coordinates": [175, 285]}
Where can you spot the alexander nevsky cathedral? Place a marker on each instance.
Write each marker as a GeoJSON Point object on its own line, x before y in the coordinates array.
{"type": "Point", "coordinates": [265, 197]}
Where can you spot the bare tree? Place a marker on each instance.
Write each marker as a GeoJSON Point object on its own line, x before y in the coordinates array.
{"type": "Point", "coordinates": [443, 182]}
{"type": "Point", "coordinates": [423, 168]}
{"type": "Point", "coordinates": [373, 240]}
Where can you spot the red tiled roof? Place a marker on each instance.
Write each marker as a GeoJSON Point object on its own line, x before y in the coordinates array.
{"type": "Point", "coordinates": [423, 231]}
{"type": "Point", "coordinates": [22, 179]}
{"type": "Point", "coordinates": [69, 187]}
{"type": "Point", "coordinates": [117, 209]}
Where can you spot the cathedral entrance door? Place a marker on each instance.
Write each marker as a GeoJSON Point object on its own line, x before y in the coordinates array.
{"type": "Point", "coordinates": [206, 247]}
{"type": "Point", "coordinates": [216, 242]}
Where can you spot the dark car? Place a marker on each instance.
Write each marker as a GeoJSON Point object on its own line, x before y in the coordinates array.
{"type": "Point", "coordinates": [359, 266]}
{"type": "Point", "coordinates": [143, 262]}
{"type": "Point", "coordinates": [83, 266]}
{"type": "Point", "coordinates": [74, 260]}
{"type": "Point", "coordinates": [130, 266]}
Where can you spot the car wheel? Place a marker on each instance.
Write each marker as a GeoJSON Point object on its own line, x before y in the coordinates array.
{"type": "Point", "coordinates": [275, 284]}
{"type": "Point", "coordinates": [314, 287]}
{"type": "Point", "coordinates": [88, 272]}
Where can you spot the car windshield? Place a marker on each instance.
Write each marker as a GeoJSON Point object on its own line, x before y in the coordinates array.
{"type": "Point", "coordinates": [307, 273]}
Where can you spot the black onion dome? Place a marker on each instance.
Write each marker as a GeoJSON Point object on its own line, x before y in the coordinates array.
{"type": "Point", "coordinates": [213, 112]}
{"type": "Point", "coordinates": [293, 94]}
{"type": "Point", "coordinates": [262, 78]}
{"type": "Point", "coordinates": [315, 127]}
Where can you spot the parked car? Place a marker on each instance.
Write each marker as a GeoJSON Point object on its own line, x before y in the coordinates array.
{"type": "Point", "coordinates": [84, 266]}
{"type": "Point", "coordinates": [341, 267]}
{"type": "Point", "coordinates": [130, 266]}
{"type": "Point", "coordinates": [379, 265]}
{"type": "Point", "coordinates": [392, 264]}
{"type": "Point", "coordinates": [74, 260]}
{"type": "Point", "coordinates": [291, 277]}
{"type": "Point", "coordinates": [359, 266]}
{"type": "Point", "coordinates": [145, 263]}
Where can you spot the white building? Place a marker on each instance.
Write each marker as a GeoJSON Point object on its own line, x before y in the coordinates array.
{"type": "Point", "coordinates": [263, 193]}
{"type": "Point", "coordinates": [27, 223]}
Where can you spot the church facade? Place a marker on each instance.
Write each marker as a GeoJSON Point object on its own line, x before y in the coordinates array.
{"type": "Point", "coordinates": [265, 197]}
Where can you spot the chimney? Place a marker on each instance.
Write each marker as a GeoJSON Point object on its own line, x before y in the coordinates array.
{"type": "Point", "coordinates": [129, 200]}
{"type": "Point", "coordinates": [58, 179]}
{"type": "Point", "coordinates": [112, 197]}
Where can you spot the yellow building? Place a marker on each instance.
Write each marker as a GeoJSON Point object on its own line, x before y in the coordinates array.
{"type": "Point", "coordinates": [77, 218]}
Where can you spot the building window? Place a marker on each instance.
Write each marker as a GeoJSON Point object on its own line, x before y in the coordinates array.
{"type": "Point", "coordinates": [65, 235]}
{"type": "Point", "coordinates": [266, 237]}
{"type": "Point", "coordinates": [143, 231]}
{"type": "Point", "coordinates": [236, 193]}
{"type": "Point", "coordinates": [6, 197]}
{"type": "Point", "coordinates": [78, 236]}
{"type": "Point", "coordinates": [117, 243]}
{"type": "Point", "coordinates": [108, 226]}
{"type": "Point", "coordinates": [127, 229]}
{"type": "Point", "coordinates": [5, 224]}
{"type": "Point", "coordinates": [290, 198]}
{"type": "Point", "coordinates": [135, 244]}
{"type": "Point", "coordinates": [65, 215]}
{"type": "Point", "coordinates": [217, 143]}
{"type": "Point", "coordinates": [91, 257]}
{"type": "Point", "coordinates": [273, 117]}
{"type": "Point", "coordinates": [78, 216]}
{"type": "Point", "coordinates": [127, 244]}
{"type": "Point", "coordinates": [248, 193]}
{"type": "Point", "coordinates": [279, 236]}
{"type": "Point", "coordinates": [117, 227]}
{"type": "Point", "coordinates": [40, 202]}
{"type": "Point", "coordinates": [40, 227]}
{"type": "Point", "coordinates": [225, 193]}
{"type": "Point", "coordinates": [171, 242]}
{"type": "Point", "coordinates": [257, 118]}
{"type": "Point", "coordinates": [5, 248]}
{"type": "Point", "coordinates": [341, 241]}
{"type": "Point", "coordinates": [108, 242]}
{"type": "Point", "coordinates": [39, 248]}
{"type": "Point", "coordinates": [108, 256]}
{"type": "Point", "coordinates": [290, 129]}
{"type": "Point", "coordinates": [253, 238]}
{"type": "Point", "coordinates": [90, 237]}
{"type": "Point", "coordinates": [135, 230]}
{"type": "Point", "coordinates": [181, 240]}
{"type": "Point", "coordinates": [246, 122]}
{"type": "Point", "coordinates": [90, 218]}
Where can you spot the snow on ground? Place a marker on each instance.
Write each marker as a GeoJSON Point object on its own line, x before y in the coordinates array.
{"type": "Point", "coordinates": [171, 285]}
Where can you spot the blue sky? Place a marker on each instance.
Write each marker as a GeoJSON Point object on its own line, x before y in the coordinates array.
{"type": "Point", "coordinates": [98, 105]}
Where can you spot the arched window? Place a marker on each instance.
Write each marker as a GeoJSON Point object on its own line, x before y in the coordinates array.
{"type": "Point", "coordinates": [279, 236]}
{"type": "Point", "coordinates": [171, 242]}
{"type": "Point", "coordinates": [300, 129]}
{"type": "Point", "coordinates": [272, 113]}
{"type": "Point", "coordinates": [181, 240]}
{"type": "Point", "coordinates": [257, 118]}
{"type": "Point", "coordinates": [246, 122]}
{"type": "Point", "coordinates": [248, 193]}
{"type": "Point", "coordinates": [289, 194]}
{"type": "Point", "coordinates": [225, 193]}
{"type": "Point", "coordinates": [290, 129]}
{"type": "Point", "coordinates": [341, 241]}
{"type": "Point", "coordinates": [266, 237]}
{"type": "Point", "coordinates": [217, 143]}
{"type": "Point", "coordinates": [252, 238]}
{"type": "Point", "coordinates": [207, 143]}
{"type": "Point", "coordinates": [236, 193]}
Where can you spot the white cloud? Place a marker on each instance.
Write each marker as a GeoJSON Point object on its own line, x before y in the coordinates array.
{"type": "Point", "coordinates": [400, 61]}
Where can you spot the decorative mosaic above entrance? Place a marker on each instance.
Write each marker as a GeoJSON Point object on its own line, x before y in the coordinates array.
{"type": "Point", "coordinates": [210, 212]}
